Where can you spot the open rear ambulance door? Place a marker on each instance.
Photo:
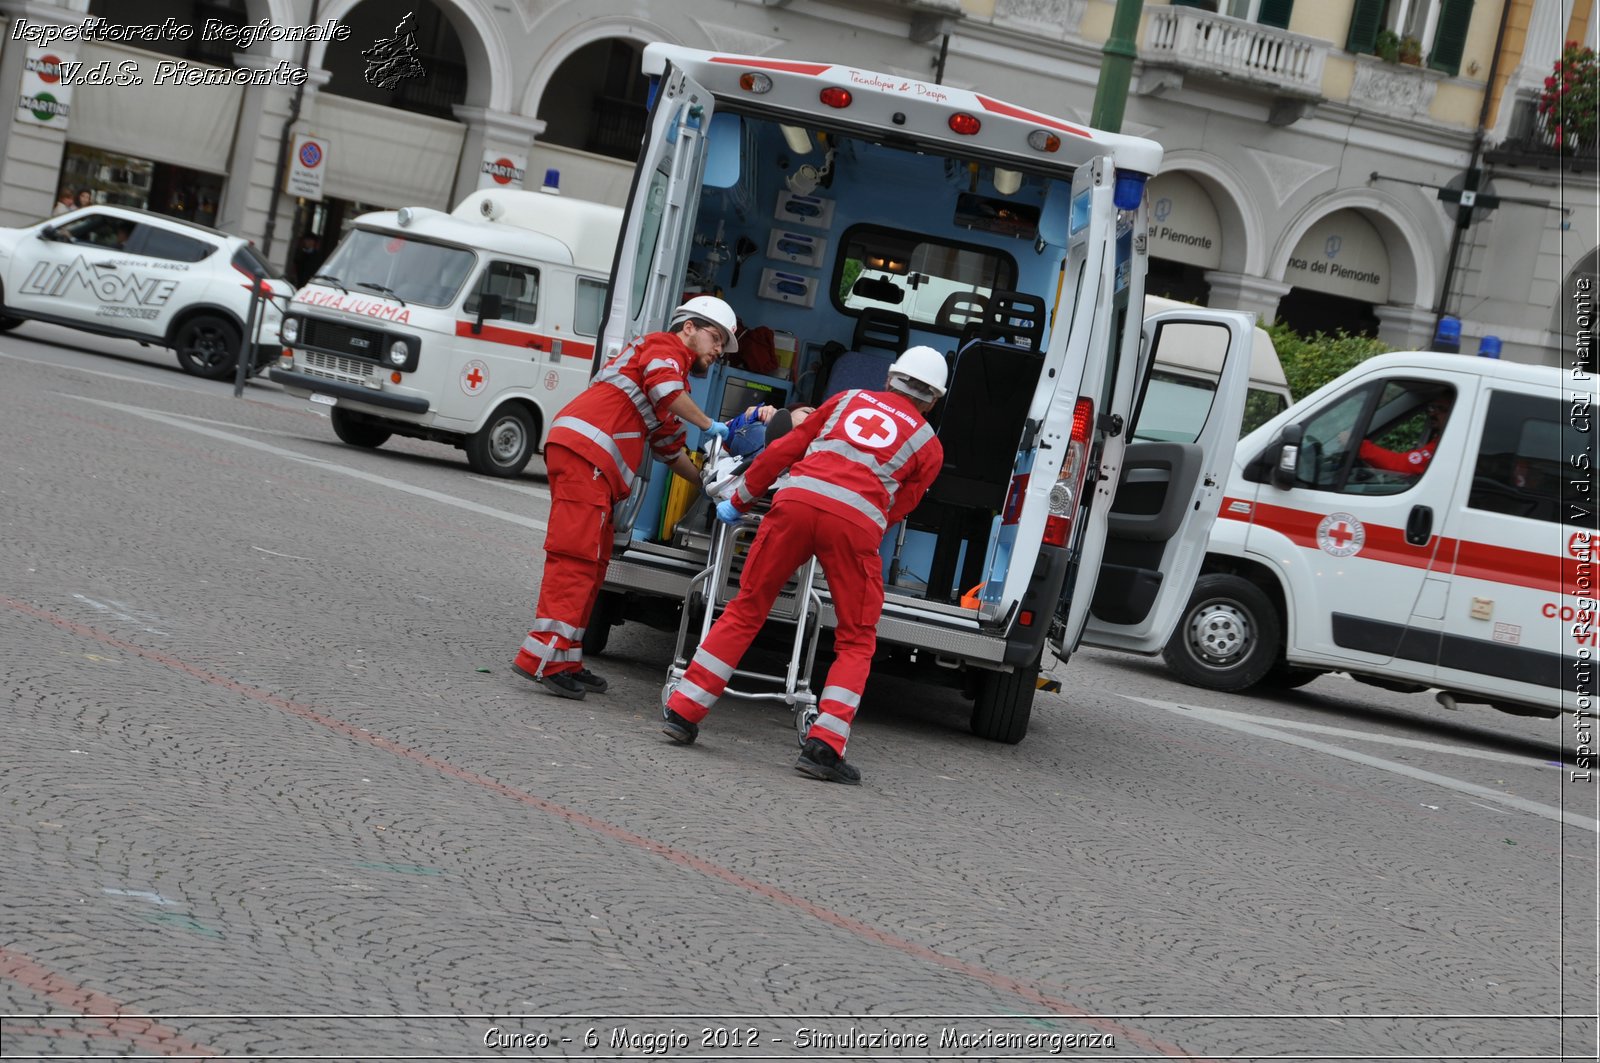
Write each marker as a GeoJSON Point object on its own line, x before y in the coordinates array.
{"type": "Point", "coordinates": [1174, 471]}
{"type": "Point", "coordinates": [653, 246]}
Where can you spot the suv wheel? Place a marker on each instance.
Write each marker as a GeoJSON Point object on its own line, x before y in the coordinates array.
{"type": "Point", "coordinates": [207, 346]}
{"type": "Point", "coordinates": [503, 446]}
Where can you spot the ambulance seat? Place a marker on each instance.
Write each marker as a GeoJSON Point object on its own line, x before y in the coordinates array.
{"type": "Point", "coordinates": [880, 337]}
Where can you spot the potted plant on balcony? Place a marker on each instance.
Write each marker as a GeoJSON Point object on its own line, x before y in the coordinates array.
{"type": "Point", "coordinates": [1386, 46]}
{"type": "Point", "coordinates": [1410, 51]}
{"type": "Point", "coordinates": [1571, 97]}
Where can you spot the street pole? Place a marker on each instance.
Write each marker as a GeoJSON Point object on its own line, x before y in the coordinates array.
{"type": "Point", "coordinates": [1116, 68]}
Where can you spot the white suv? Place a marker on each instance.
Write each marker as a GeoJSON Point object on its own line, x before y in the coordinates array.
{"type": "Point", "coordinates": [124, 272]}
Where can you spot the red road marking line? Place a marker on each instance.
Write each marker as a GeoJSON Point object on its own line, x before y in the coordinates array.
{"type": "Point", "coordinates": [993, 979]}
{"type": "Point", "coordinates": [146, 1033]}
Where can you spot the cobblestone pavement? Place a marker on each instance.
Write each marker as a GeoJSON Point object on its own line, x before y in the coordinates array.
{"type": "Point", "coordinates": [264, 756]}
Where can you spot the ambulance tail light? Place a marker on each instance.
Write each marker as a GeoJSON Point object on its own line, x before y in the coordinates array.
{"type": "Point", "coordinates": [751, 81]}
{"type": "Point", "coordinates": [836, 97]}
{"type": "Point", "coordinates": [964, 123]}
{"type": "Point", "coordinates": [1064, 493]}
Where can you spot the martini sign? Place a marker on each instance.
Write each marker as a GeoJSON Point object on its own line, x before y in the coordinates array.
{"type": "Point", "coordinates": [46, 98]}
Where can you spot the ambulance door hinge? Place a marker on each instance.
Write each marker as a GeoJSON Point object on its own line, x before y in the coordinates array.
{"type": "Point", "coordinates": [1110, 423]}
{"type": "Point", "coordinates": [1030, 433]}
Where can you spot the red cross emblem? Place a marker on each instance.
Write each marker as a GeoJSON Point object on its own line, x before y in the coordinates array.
{"type": "Point", "coordinates": [871, 428]}
{"type": "Point", "coordinates": [1341, 534]}
{"type": "Point", "coordinates": [474, 375]}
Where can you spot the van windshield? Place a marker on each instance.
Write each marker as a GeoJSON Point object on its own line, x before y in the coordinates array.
{"type": "Point", "coordinates": [416, 271]}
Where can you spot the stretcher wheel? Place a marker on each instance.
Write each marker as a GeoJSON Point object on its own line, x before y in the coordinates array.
{"type": "Point", "coordinates": [805, 714]}
{"type": "Point", "coordinates": [667, 689]}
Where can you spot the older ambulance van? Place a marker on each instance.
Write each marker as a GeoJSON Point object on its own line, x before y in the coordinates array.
{"type": "Point", "coordinates": [470, 328]}
{"type": "Point", "coordinates": [827, 202]}
{"type": "Point", "coordinates": [1424, 521]}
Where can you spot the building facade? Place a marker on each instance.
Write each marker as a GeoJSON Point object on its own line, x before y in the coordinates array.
{"type": "Point", "coordinates": [1308, 143]}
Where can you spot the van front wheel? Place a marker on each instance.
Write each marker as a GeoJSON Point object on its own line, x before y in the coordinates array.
{"type": "Point", "coordinates": [503, 446]}
{"type": "Point", "coordinates": [1230, 635]}
{"type": "Point", "coordinates": [357, 431]}
{"type": "Point", "coordinates": [1003, 704]}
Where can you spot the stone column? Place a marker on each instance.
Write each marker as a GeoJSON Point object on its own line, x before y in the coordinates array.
{"type": "Point", "coordinates": [30, 155]}
{"type": "Point", "coordinates": [1408, 328]}
{"type": "Point", "coordinates": [255, 173]}
{"type": "Point", "coordinates": [1241, 291]}
{"type": "Point", "coordinates": [498, 131]}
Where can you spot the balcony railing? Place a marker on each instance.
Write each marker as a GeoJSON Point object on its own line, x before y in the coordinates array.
{"type": "Point", "coordinates": [1531, 144]}
{"type": "Point", "coordinates": [1189, 38]}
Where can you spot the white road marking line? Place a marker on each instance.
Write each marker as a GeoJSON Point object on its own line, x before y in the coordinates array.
{"type": "Point", "coordinates": [1255, 726]}
{"type": "Point", "coordinates": [286, 557]}
{"type": "Point", "coordinates": [523, 489]}
{"type": "Point", "coordinates": [321, 464]}
{"type": "Point", "coordinates": [190, 388]}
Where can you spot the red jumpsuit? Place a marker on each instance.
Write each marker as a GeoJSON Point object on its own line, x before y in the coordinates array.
{"type": "Point", "coordinates": [594, 447]}
{"type": "Point", "coordinates": [1411, 462]}
{"type": "Point", "coordinates": [856, 467]}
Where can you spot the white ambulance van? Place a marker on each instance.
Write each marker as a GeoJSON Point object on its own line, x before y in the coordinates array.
{"type": "Point", "coordinates": [1424, 521]}
{"type": "Point", "coordinates": [470, 328]}
{"type": "Point", "coordinates": [819, 199]}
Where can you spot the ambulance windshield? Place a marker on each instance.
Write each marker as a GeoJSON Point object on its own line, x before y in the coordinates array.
{"type": "Point", "coordinates": [416, 271]}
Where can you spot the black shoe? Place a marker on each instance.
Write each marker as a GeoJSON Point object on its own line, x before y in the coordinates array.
{"type": "Point", "coordinates": [561, 684]}
{"type": "Point", "coordinates": [678, 729]}
{"type": "Point", "coordinates": [818, 760]}
{"type": "Point", "coordinates": [591, 682]}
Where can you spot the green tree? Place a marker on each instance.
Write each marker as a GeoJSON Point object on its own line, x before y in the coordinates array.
{"type": "Point", "coordinates": [1311, 361]}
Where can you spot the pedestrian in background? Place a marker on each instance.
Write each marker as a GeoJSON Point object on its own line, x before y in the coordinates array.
{"type": "Point", "coordinates": [856, 467]}
{"type": "Point", "coordinates": [64, 202]}
{"type": "Point", "coordinates": [596, 443]}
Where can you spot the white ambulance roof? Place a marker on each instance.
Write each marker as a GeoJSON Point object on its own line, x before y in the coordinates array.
{"type": "Point", "coordinates": [588, 230]}
{"type": "Point", "coordinates": [1542, 376]}
{"type": "Point", "coordinates": [925, 107]}
{"type": "Point", "coordinates": [427, 224]}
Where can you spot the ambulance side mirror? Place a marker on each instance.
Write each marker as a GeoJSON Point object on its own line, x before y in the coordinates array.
{"type": "Point", "coordinates": [490, 307]}
{"type": "Point", "coordinates": [1288, 447]}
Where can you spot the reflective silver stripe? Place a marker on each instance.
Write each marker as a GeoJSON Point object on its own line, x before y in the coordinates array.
{"type": "Point", "coordinates": [842, 695]}
{"type": "Point", "coordinates": [660, 363]}
{"type": "Point", "coordinates": [838, 494]}
{"type": "Point", "coordinates": [912, 445]}
{"type": "Point", "coordinates": [838, 412]}
{"type": "Point", "coordinates": [566, 631]}
{"type": "Point", "coordinates": [716, 666]}
{"type": "Point", "coordinates": [832, 723]}
{"type": "Point", "coordinates": [548, 653]}
{"type": "Point", "coordinates": [605, 442]}
{"type": "Point", "coordinates": [661, 391]}
{"type": "Point", "coordinates": [701, 697]}
{"type": "Point", "coordinates": [640, 404]}
{"type": "Point", "coordinates": [743, 495]}
{"type": "Point", "coordinates": [627, 435]}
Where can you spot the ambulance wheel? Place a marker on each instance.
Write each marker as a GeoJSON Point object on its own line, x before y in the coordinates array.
{"type": "Point", "coordinates": [503, 446]}
{"type": "Point", "coordinates": [352, 429]}
{"type": "Point", "coordinates": [1229, 637]}
{"type": "Point", "coordinates": [207, 346]}
{"type": "Point", "coordinates": [9, 323]}
{"type": "Point", "coordinates": [1285, 676]}
{"type": "Point", "coordinates": [1003, 704]}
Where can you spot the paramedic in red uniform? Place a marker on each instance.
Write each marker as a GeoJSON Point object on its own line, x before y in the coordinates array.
{"type": "Point", "coordinates": [595, 445]}
{"type": "Point", "coordinates": [856, 466]}
{"type": "Point", "coordinates": [1413, 462]}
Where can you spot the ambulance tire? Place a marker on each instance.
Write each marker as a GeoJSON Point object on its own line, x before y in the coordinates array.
{"type": "Point", "coordinates": [1003, 705]}
{"type": "Point", "coordinates": [1229, 637]}
{"type": "Point", "coordinates": [503, 446]}
{"type": "Point", "coordinates": [1285, 676]}
{"type": "Point", "coordinates": [356, 431]}
{"type": "Point", "coordinates": [9, 323]}
{"type": "Point", "coordinates": [207, 346]}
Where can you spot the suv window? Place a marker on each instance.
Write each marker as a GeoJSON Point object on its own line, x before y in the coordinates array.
{"type": "Point", "coordinates": [251, 264]}
{"type": "Point", "coordinates": [939, 285]}
{"type": "Point", "coordinates": [1521, 467]}
{"type": "Point", "coordinates": [1376, 440]}
{"type": "Point", "coordinates": [517, 286]}
{"type": "Point", "coordinates": [156, 242]}
{"type": "Point", "coordinates": [101, 230]}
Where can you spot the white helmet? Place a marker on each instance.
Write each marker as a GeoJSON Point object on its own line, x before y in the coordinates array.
{"type": "Point", "coordinates": [710, 308]}
{"type": "Point", "coordinates": [920, 373]}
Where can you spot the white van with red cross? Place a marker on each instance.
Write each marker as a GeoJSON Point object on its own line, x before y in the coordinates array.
{"type": "Point", "coordinates": [828, 203]}
{"type": "Point", "coordinates": [470, 328]}
{"type": "Point", "coordinates": [1424, 521]}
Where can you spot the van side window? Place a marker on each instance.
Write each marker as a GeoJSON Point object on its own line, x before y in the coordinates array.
{"type": "Point", "coordinates": [1376, 440]}
{"type": "Point", "coordinates": [591, 301]}
{"type": "Point", "coordinates": [1521, 468]}
{"type": "Point", "coordinates": [516, 285]}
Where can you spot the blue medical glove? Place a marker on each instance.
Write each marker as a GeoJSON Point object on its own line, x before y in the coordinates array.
{"type": "Point", "coordinates": [726, 512]}
{"type": "Point", "coordinates": [717, 429]}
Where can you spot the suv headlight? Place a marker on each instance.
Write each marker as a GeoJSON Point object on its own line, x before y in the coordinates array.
{"type": "Point", "coordinates": [289, 331]}
{"type": "Point", "coordinates": [399, 352]}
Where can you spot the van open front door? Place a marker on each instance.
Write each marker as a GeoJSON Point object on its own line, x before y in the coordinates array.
{"type": "Point", "coordinates": [653, 249]}
{"type": "Point", "coordinates": [1173, 474]}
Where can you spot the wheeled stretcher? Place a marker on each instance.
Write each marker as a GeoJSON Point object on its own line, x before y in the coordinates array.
{"type": "Point", "coordinates": [798, 605]}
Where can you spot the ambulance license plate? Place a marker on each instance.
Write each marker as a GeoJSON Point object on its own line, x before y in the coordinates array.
{"type": "Point", "coordinates": [325, 400]}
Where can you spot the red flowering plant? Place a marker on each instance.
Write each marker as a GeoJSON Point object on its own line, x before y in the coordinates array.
{"type": "Point", "coordinates": [1571, 97]}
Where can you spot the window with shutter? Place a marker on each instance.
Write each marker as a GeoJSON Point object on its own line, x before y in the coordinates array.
{"type": "Point", "coordinates": [1450, 38]}
{"type": "Point", "coordinates": [1365, 21]}
{"type": "Point", "coordinates": [1275, 13]}
{"type": "Point", "coordinates": [1208, 5]}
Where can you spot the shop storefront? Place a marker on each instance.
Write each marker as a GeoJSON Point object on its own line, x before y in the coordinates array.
{"type": "Point", "coordinates": [129, 181]}
{"type": "Point", "coordinates": [1339, 273]}
{"type": "Point", "coordinates": [1185, 238]}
